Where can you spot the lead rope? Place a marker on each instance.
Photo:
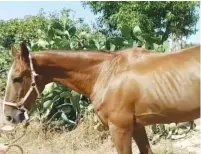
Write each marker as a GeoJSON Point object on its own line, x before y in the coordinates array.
{"type": "Point", "coordinates": [8, 146]}
{"type": "Point", "coordinates": [4, 148]}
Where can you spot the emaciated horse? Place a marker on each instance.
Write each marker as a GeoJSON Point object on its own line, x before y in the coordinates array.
{"type": "Point", "coordinates": [129, 89]}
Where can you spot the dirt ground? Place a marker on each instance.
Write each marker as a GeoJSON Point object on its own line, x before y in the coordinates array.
{"type": "Point", "coordinates": [86, 140]}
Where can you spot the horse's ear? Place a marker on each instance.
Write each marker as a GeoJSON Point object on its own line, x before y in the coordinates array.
{"type": "Point", "coordinates": [24, 51]}
{"type": "Point", "coordinates": [14, 52]}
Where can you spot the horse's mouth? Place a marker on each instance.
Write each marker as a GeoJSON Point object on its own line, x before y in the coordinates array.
{"type": "Point", "coordinates": [11, 121]}
{"type": "Point", "coordinates": [17, 116]}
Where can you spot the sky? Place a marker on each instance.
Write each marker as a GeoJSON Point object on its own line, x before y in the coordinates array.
{"type": "Point", "coordinates": [19, 9]}
{"type": "Point", "coordinates": [9, 10]}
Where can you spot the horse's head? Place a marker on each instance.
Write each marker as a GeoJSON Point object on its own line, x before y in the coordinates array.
{"type": "Point", "coordinates": [21, 91]}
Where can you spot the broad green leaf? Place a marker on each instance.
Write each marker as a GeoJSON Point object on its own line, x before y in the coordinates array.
{"type": "Point", "coordinates": [50, 34]}
{"type": "Point", "coordinates": [75, 98]}
{"type": "Point", "coordinates": [59, 32]}
{"type": "Point", "coordinates": [67, 34]}
{"type": "Point", "coordinates": [42, 43]}
{"type": "Point", "coordinates": [47, 104]}
{"type": "Point", "coordinates": [72, 30]}
{"type": "Point", "coordinates": [64, 20]}
{"type": "Point", "coordinates": [112, 47]}
{"type": "Point", "coordinates": [65, 44]}
{"type": "Point", "coordinates": [118, 41]}
{"type": "Point", "coordinates": [65, 94]}
{"type": "Point", "coordinates": [56, 98]}
{"type": "Point", "coordinates": [65, 118]}
{"type": "Point", "coordinates": [57, 25]}
{"type": "Point", "coordinates": [137, 31]}
{"type": "Point", "coordinates": [67, 109]}
{"type": "Point", "coordinates": [126, 31]}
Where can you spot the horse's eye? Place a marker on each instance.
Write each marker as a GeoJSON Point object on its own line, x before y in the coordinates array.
{"type": "Point", "coordinates": [18, 80]}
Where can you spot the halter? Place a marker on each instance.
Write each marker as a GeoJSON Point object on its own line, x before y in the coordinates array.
{"type": "Point", "coordinates": [20, 105]}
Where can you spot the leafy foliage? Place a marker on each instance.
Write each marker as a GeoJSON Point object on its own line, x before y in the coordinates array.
{"type": "Point", "coordinates": [15, 30]}
{"type": "Point", "coordinates": [156, 19]}
{"type": "Point", "coordinates": [4, 66]}
{"type": "Point", "coordinates": [60, 105]}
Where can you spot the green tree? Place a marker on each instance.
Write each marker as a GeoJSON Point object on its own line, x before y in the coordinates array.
{"type": "Point", "coordinates": [153, 18]}
{"type": "Point", "coordinates": [15, 30]}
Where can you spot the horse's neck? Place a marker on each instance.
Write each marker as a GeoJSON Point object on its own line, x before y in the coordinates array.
{"type": "Point", "coordinates": [77, 70]}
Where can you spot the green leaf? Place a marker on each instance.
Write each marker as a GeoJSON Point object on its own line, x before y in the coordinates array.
{"type": "Point", "coordinates": [83, 34]}
{"type": "Point", "coordinates": [56, 98]}
{"type": "Point", "coordinates": [67, 109]}
{"type": "Point", "coordinates": [75, 99]}
{"type": "Point", "coordinates": [126, 31]}
{"type": "Point", "coordinates": [64, 117]}
{"type": "Point", "coordinates": [149, 46]}
{"type": "Point", "coordinates": [166, 46]}
{"type": "Point", "coordinates": [50, 94]}
{"type": "Point", "coordinates": [135, 44]}
{"type": "Point", "coordinates": [65, 94]}
{"type": "Point", "coordinates": [50, 34]}
{"type": "Point", "coordinates": [64, 20]}
{"type": "Point", "coordinates": [118, 41]}
{"type": "Point", "coordinates": [112, 47]}
{"type": "Point", "coordinates": [137, 31]}
{"type": "Point", "coordinates": [45, 115]}
{"type": "Point", "coordinates": [72, 30]}
{"type": "Point", "coordinates": [57, 91]}
{"type": "Point", "coordinates": [107, 44]}
{"type": "Point", "coordinates": [42, 43]}
{"type": "Point", "coordinates": [67, 34]}
{"type": "Point", "coordinates": [65, 44]}
{"type": "Point", "coordinates": [57, 25]}
{"type": "Point", "coordinates": [72, 45]}
{"type": "Point", "coordinates": [92, 45]}
{"type": "Point", "coordinates": [57, 41]}
{"type": "Point", "coordinates": [59, 32]}
{"type": "Point", "coordinates": [47, 104]}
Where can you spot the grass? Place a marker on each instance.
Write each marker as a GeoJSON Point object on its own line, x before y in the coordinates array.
{"type": "Point", "coordinates": [87, 140]}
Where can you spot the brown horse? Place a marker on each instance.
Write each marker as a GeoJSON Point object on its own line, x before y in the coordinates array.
{"type": "Point", "coordinates": [129, 89]}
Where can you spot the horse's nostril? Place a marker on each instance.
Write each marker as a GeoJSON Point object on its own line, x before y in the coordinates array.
{"type": "Point", "coordinates": [21, 116]}
{"type": "Point", "coordinates": [9, 118]}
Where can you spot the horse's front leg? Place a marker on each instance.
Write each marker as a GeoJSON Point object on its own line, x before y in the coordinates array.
{"type": "Point", "coordinates": [121, 129]}
{"type": "Point", "coordinates": [122, 138]}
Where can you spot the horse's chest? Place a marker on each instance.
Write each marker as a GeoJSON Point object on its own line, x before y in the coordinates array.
{"type": "Point", "coordinates": [101, 108]}
{"type": "Point", "coordinates": [116, 98]}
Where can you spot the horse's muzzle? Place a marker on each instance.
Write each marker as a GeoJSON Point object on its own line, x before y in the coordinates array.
{"type": "Point", "coordinates": [16, 116]}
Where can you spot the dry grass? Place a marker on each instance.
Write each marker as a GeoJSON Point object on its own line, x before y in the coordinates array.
{"type": "Point", "coordinates": [86, 140]}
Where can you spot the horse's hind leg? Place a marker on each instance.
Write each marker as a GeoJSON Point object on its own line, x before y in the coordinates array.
{"type": "Point", "coordinates": [141, 139]}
